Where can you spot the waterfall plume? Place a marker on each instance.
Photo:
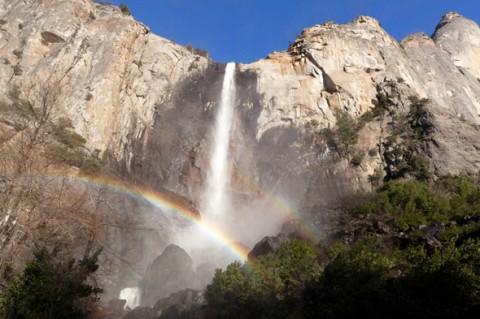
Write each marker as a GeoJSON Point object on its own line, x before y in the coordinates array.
{"type": "Point", "coordinates": [218, 173]}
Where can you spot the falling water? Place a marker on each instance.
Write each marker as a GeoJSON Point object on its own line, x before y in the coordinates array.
{"type": "Point", "coordinates": [218, 175]}
{"type": "Point", "coordinates": [131, 297]}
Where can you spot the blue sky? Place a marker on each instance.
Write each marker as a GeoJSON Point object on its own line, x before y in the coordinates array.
{"type": "Point", "coordinates": [246, 30]}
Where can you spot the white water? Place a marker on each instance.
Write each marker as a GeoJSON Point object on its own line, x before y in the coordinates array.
{"type": "Point", "coordinates": [131, 296]}
{"type": "Point", "coordinates": [218, 174]}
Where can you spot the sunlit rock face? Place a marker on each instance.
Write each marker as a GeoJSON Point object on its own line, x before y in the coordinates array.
{"type": "Point", "coordinates": [334, 66]}
{"type": "Point", "coordinates": [151, 102]}
{"type": "Point", "coordinates": [112, 70]}
{"type": "Point", "coordinates": [460, 39]}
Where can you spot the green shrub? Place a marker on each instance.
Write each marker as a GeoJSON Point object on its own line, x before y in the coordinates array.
{"type": "Point", "coordinates": [346, 131]}
{"type": "Point", "coordinates": [63, 133]}
{"type": "Point", "coordinates": [50, 288]}
{"type": "Point", "coordinates": [124, 9]}
{"type": "Point", "coordinates": [372, 152]}
{"type": "Point", "coordinates": [255, 289]}
{"type": "Point", "coordinates": [420, 119]}
{"type": "Point", "coordinates": [357, 159]}
{"type": "Point", "coordinates": [410, 203]}
{"type": "Point", "coordinates": [413, 203]}
{"type": "Point", "coordinates": [60, 153]}
{"type": "Point", "coordinates": [363, 278]}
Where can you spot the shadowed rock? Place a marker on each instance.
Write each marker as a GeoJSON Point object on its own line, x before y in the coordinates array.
{"type": "Point", "coordinates": [172, 271]}
{"type": "Point", "coordinates": [184, 304]}
{"type": "Point", "coordinates": [268, 245]}
{"type": "Point", "coordinates": [141, 313]}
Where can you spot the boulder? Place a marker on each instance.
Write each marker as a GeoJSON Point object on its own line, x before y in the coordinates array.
{"type": "Point", "coordinates": [184, 304]}
{"type": "Point", "coordinates": [171, 272]}
{"type": "Point", "coordinates": [268, 245]}
{"type": "Point", "coordinates": [141, 313]}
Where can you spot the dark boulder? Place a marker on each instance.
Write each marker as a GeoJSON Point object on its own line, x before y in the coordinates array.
{"type": "Point", "coordinates": [268, 245]}
{"type": "Point", "coordinates": [186, 304]}
{"type": "Point", "coordinates": [171, 272]}
{"type": "Point", "coordinates": [141, 313]}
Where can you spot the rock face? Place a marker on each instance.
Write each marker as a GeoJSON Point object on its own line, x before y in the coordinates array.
{"type": "Point", "coordinates": [184, 304]}
{"type": "Point", "coordinates": [112, 70]}
{"type": "Point", "coordinates": [141, 313]}
{"type": "Point", "coordinates": [171, 272]}
{"type": "Point", "coordinates": [268, 245]}
{"type": "Point", "coordinates": [150, 104]}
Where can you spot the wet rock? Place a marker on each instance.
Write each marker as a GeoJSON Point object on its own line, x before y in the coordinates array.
{"type": "Point", "coordinates": [141, 313]}
{"type": "Point", "coordinates": [117, 305]}
{"type": "Point", "coordinates": [184, 304]}
{"type": "Point", "coordinates": [171, 272]}
{"type": "Point", "coordinates": [268, 245]}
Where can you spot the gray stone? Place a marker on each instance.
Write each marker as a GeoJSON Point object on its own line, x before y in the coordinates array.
{"type": "Point", "coordinates": [171, 272]}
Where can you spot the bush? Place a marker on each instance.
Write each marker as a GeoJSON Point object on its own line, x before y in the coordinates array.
{"type": "Point", "coordinates": [372, 152]}
{"type": "Point", "coordinates": [364, 278]}
{"type": "Point", "coordinates": [376, 275]}
{"type": "Point", "coordinates": [413, 203]}
{"type": "Point", "coordinates": [124, 9]}
{"type": "Point", "coordinates": [255, 289]}
{"type": "Point", "coordinates": [357, 159]}
{"type": "Point", "coordinates": [50, 288]}
{"type": "Point", "coordinates": [73, 157]}
{"type": "Point", "coordinates": [410, 203]}
{"type": "Point", "coordinates": [63, 133]}
{"type": "Point", "coordinates": [420, 119]}
{"type": "Point", "coordinates": [346, 131]}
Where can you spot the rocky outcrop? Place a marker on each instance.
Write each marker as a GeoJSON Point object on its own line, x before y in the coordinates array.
{"type": "Point", "coordinates": [267, 245]}
{"type": "Point", "coordinates": [112, 70]}
{"type": "Point", "coordinates": [141, 313]}
{"type": "Point", "coordinates": [184, 304]}
{"type": "Point", "coordinates": [171, 272]}
{"type": "Point", "coordinates": [150, 102]}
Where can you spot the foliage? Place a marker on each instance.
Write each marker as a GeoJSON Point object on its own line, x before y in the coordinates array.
{"type": "Point", "coordinates": [404, 147]}
{"type": "Point", "coordinates": [76, 157]}
{"type": "Point", "coordinates": [254, 289]}
{"type": "Point", "coordinates": [70, 148]}
{"type": "Point", "coordinates": [357, 159]}
{"type": "Point", "coordinates": [375, 275]}
{"type": "Point", "coordinates": [343, 137]}
{"type": "Point", "coordinates": [197, 51]}
{"type": "Point", "coordinates": [50, 288]}
{"type": "Point", "coordinates": [124, 9]}
{"type": "Point", "coordinates": [63, 133]}
{"type": "Point", "coordinates": [420, 119]}
{"type": "Point", "coordinates": [414, 203]}
{"type": "Point", "coordinates": [347, 133]}
{"type": "Point", "coordinates": [363, 280]}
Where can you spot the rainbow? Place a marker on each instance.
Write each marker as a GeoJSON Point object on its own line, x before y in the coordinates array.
{"type": "Point", "coordinates": [170, 202]}
{"type": "Point", "coordinates": [165, 202]}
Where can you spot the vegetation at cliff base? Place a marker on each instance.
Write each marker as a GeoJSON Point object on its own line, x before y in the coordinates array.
{"type": "Point", "coordinates": [410, 250]}
{"type": "Point", "coordinates": [51, 287]}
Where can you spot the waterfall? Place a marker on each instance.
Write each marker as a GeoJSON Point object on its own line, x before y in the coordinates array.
{"type": "Point", "coordinates": [131, 297]}
{"type": "Point", "coordinates": [218, 174]}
